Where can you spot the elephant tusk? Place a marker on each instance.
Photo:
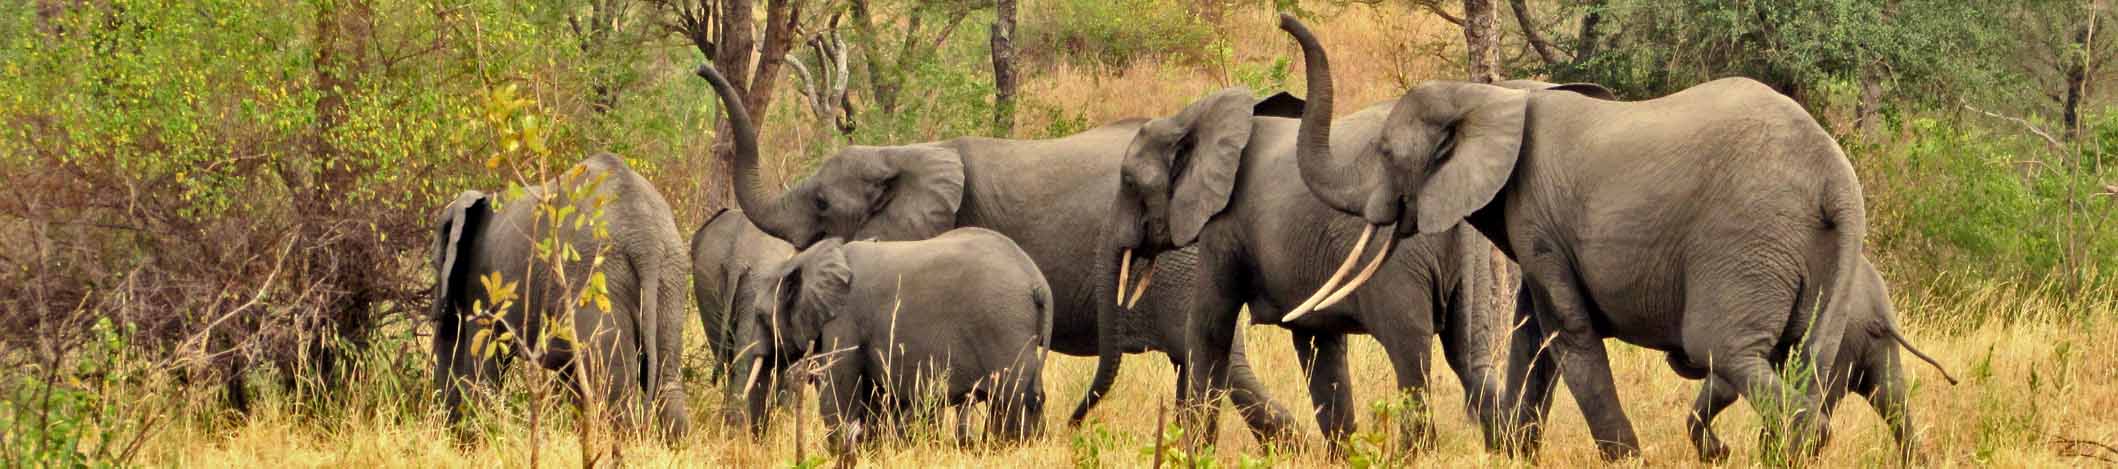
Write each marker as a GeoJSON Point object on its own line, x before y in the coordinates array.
{"type": "Point", "coordinates": [755, 364]}
{"type": "Point", "coordinates": [1125, 267]}
{"type": "Point", "coordinates": [1367, 272]}
{"type": "Point", "coordinates": [1332, 284]}
{"type": "Point", "coordinates": [1146, 278]}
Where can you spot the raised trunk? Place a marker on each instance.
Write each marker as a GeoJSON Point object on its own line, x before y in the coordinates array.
{"type": "Point", "coordinates": [749, 188]}
{"type": "Point", "coordinates": [1335, 184]}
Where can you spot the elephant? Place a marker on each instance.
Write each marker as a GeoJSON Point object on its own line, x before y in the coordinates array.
{"type": "Point", "coordinates": [964, 316]}
{"type": "Point", "coordinates": [730, 257]}
{"type": "Point", "coordinates": [1721, 223]}
{"type": "Point", "coordinates": [1867, 364]}
{"type": "Point", "coordinates": [624, 243]}
{"type": "Point", "coordinates": [1047, 195]}
{"type": "Point", "coordinates": [1220, 175]}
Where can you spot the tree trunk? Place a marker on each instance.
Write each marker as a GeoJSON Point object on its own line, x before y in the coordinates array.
{"type": "Point", "coordinates": [1590, 37]}
{"type": "Point", "coordinates": [1004, 68]}
{"type": "Point", "coordinates": [2077, 77]}
{"type": "Point", "coordinates": [342, 32]}
{"type": "Point", "coordinates": [1481, 34]}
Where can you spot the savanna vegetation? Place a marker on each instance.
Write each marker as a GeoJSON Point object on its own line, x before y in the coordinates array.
{"type": "Point", "coordinates": [215, 215]}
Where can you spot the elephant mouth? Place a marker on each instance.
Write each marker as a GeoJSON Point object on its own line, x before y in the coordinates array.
{"type": "Point", "coordinates": [1126, 260]}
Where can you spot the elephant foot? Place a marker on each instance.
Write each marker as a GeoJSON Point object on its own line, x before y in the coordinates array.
{"type": "Point", "coordinates": [1614, 451]}
{"type": "Point", "coordinates": [1712, 451]}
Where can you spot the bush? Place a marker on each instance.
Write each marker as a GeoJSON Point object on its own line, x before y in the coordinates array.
{"type": "Point", "coordinates": [1958, 200]}
{"type": "Point", "coordinates": [1114, 32]}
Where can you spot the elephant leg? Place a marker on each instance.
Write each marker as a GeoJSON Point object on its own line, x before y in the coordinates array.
{"type": "Point", "coordinates": [1886, 393]}
{"type": "Point", "coordinates": [1268, 420]}
{"type": "Point", "coordinates": [1740, 322]}
{"type": "Point", "coordinates": [1323, 358]}
{"type": "Point", "coordinates": [1581, 354]}
{"type": "Point", "coordinates": [1714, 396]}
{"type": "Point", "coordinates": [1531, 378]}
{"type": "Point", "coordinates": [846, 404]}
{"type": "Point", "coordinates": [1211, 336]}
{"type": "Point", "coordinates": [1409, 357]}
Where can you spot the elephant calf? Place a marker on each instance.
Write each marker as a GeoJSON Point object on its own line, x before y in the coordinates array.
{"type": "Point", "coordinates": [632, 342]}
{"type": "Point", "coordinates": [965, 317]}
{"type": "Point", "coordinates": [1867, 363]}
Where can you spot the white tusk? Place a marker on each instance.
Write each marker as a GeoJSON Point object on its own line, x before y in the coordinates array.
{"type": "Point", "coordinates": [1125, 267]}
{"type": "Point", "coordinates": [755, 364]}
{"type": "Point", "coordinates": [1145, 278]}
{"type": "Point", "coordinates": [1332, 284]}
{"type": "Point", "coordinates": [1367, 272]}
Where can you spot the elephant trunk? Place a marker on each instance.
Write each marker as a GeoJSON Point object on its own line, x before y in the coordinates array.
{"type": "Point", "coordinates": [1335, 184]}
{"type": "Point", "coordinates": [1110, 353]}
{"type": "Point", "coordinates": [749, 187]}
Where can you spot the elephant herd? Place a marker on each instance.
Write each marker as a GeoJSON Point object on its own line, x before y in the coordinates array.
{"type": "Point", "coordinates": [1720, 224]}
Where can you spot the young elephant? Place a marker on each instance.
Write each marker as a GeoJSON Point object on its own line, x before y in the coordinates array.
{"type": "Point", "coordinates": [633, 341]}
{"type": "Point", "coordinates": [730, 259]}
{"type": "Point", "coordinates": [1867, 364]}
{"type": "Point", "coordinates": [964, 316]}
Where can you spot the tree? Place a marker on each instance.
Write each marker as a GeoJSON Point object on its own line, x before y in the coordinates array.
{"type": "Point", "coordinates": [1481, 36]}
{"type": "Point", "coordinates": [1003, 36]}
{"type": "Point", "coordinates": [724, 32]}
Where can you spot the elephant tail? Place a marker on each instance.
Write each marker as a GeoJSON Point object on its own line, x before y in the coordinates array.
{"type": "Point", "coordinates": [1845, 217]}
{"type": "Point", "coordinates": [646, 324]}
{"type": "Point", "coordinates": [1899, 336]}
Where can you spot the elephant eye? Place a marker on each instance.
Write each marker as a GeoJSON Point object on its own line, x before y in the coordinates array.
{"type": "Point", "coordinates": [822, 204]}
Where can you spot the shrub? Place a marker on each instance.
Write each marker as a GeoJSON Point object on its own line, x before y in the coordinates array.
{"type": "Point", "coordinates": [1115, 32]}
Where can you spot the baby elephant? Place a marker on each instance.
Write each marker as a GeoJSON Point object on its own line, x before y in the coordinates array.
{"type": "Point", "coordinates": [1867, 364]}
{"type": "Point", "coordinates": [964, 317]}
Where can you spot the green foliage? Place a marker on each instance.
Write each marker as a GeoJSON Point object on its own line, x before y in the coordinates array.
{"type": "Point", "coordinates": [1980, 203]}
{"type": "Point", "coordinates": [59, 414]}
{"type": "Point", "coordinates": [1114, 33]}
{"type": "Point", "coordinates": [1927, 48]}
{"type": "Point", "coordinates": [1086, 447]}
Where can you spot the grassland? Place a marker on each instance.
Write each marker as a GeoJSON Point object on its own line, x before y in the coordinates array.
{"type": "Point", "coordinates": [2032, 382]}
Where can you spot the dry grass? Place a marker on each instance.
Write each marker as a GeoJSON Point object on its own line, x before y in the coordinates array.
{"type": "Point", "coordinates": [2042, 377]}
{"type": "Point", "coordinates": [2025, 386]}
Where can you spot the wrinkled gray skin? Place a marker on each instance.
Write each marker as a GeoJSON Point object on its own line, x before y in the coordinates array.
{"type": "Point", "coordinates": [730, 258]}
{"type": "Point", "coordinates": [637, 345]}
{"type": "Point", "coordinates": [1867, 365]}
{"type": "Point", "coordinates": [1050, 196]}
{"type": "Point", "coordinates": [1221, 175]}
{"type": "Point", "coordinates": [1720, 222]}
{"type": "Point", "coordinates": [966, 311]}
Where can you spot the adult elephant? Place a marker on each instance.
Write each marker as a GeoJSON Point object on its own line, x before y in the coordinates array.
{"type": "Point", "coordinates": [631, 344]}
{"type": "Point", "coordinates": [1720, 223]}
{"type": "Point", "coordinates": [1049, 196]}
{"type": "Point", "coordinates": [1221, 175]}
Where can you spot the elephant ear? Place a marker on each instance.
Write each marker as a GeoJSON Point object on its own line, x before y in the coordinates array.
{"type": "Point", "coordinates": [813, 290]}
{"type": "Point", "coordinates": [459, 224]}
{"type": "Point", "coordinates": [1584, 88]}
{"type": "Point", "coordinates": [1280, 104]}
{"type": "Point", "coordinates": [1479, 155]}
{"type": "Point", "coordinates": [923, 187]}
{"type": "Point", "coordinates": [1217, 128]}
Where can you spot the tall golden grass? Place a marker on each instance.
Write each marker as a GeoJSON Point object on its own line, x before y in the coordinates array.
{"type": "Point", "coordinates": [2036, 376]}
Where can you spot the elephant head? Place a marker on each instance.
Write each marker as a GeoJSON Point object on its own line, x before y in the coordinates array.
{"type": "Point", "coordinates": [1445, 150]}
{"type": "Point", "coordinates": [728, 253]}
{"type": "Point", "coordinates": [906, 192]}
{"type": "Point", "coordinates": [784, 319]}
{"type": "Point", "coordinates": [1179, 171]}
{"type": "Point", "coordinates": [459, 226]}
